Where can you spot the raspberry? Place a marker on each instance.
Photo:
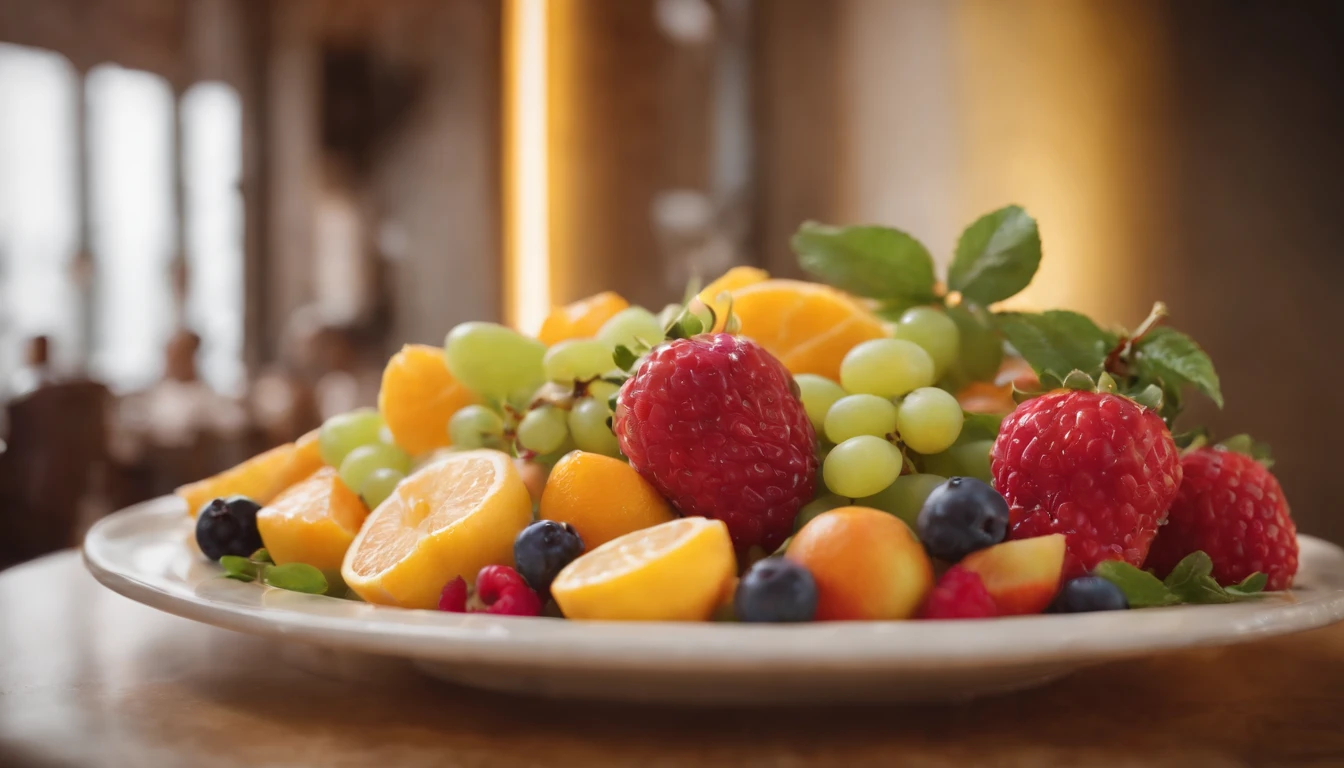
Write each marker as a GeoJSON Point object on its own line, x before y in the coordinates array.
{"type": "Point", "coordinates": [715, 424]}
{"type": "Point", "coordinates": [959, 594]}
{"type": "Point", "coordinates": [502, 591]}
{"type": "Point", "coordinates": [454, 596]}
{"type": "Point", "coordinates": [1098, 467]}
{"type": "Point", "coordinates": [499, 590]}
{"type": "Point", "coordinates": [1231, 507]}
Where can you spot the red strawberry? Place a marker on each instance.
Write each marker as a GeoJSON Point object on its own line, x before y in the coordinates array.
{"type": "Point", "coordinates": [959, 594]}
{"type": "Point", "coordinates": [1098, 467]}
{"type": "Point", "coordinates": [714, 422]}
{"type": "Point", "coordinates": [1230, 506]}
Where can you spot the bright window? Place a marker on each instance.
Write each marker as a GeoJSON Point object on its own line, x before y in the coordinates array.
{"type": "Point", "coordinates": [39, 206]}
{"type": "Point", "coordinates": [130, 116]}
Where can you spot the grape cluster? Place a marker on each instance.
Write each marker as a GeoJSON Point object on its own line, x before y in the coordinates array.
{"type": "Point", "coordinates": [543, 402]}
{"type": "Point", "coordinates": [358, 445]}
{"type": "Point", "coordinates": [890, 431]}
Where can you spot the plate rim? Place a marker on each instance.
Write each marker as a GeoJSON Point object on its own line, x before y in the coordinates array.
{"type": "Point", "coordinates": [545, 642]}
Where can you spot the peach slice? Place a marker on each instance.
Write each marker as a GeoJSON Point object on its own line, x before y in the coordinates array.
{"type": "Point", "coordinates": [1023, 575]}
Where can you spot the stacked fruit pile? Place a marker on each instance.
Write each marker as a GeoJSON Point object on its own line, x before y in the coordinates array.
{"type": "Point", "coordinates": [881, 446]}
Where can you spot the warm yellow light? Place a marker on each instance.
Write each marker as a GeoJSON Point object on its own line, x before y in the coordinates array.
{"type": "Point", "coordinates": [527, 272]}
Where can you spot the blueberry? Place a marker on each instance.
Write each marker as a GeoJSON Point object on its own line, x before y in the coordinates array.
{"type": "Point", "coordinates": [228, 527]}
{"type": "Point", "coordinates": [776, 590]}
{"type": "Point", "coordinates": [1088, 593]}
{"type": "Point", "coordinates": [961, 516]}
{"type": "Point", "coordinates": [542, 549]}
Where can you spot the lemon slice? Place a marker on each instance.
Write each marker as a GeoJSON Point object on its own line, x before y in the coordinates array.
{"type": "Point", "coordinates": [675, 571]}
{"type": "Point", "coordinates": [449, 519]}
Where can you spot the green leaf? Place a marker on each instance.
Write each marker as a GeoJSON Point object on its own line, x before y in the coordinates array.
{"type": "Point", "coordinates": [296, 577]}
{"type": "Point", "coordinates": [1251, 586]}
{"type": "Point", "coordinates": [980, 426]}
{"type": "Point", "coordinates": [878, 262]}
{"type": "Point", "coordinates": [1142, 589]}
{"type": "Point", "coordinates": [1203, 590]}
{"type": "Point", "coordinates": [1079, 381]}
{"type": "Point", "coordinates": [624, 358]}
{"type": "Point", "coordinates": [1192, 566]}
{"type": "Point", "coordinates": [261, 556]}
{"type": "Point", "coordinates": [996, 257]}
{"type": "Point", "coordinates": [239, 568]}
{"type": "Point", "coordinates": [1150, 396]}
{"type": "Point", "coordinates": [1057, 342]}
{"type": "Point", "coordinates": [1170, 357]}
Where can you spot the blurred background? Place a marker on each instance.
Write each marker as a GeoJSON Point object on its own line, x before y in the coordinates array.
{"type": "Point", "coordinates": [219, 217]}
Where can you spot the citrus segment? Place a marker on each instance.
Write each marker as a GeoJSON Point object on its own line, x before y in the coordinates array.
{"type": "Point", "coordinates": [451, 518]}
{"type": "Point", "coordinates": [676, 571]}
{"type": "Point", "coordinates": [260, 478]}
{"type": "Point", "coordinates": [418, 396]}
{"type": "Point", "coordinates": [581, 319]}
{"type": "Point", "coordinates": [312, 522]}
{"type": "Point", "coordinates": [732, 280]}
{"type": "Point", "coordinates": [602, 497]}
{"type": "Point", "coordinates": [809, 327]}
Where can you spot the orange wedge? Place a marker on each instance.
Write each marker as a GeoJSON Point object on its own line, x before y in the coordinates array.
{"type": "Point", "coordinates": [809, 327]}
{"type": "Point", "coordinates": [449, 519]}
{"type": "Point", "coordinates": [676, 571]}
{"type": "Point", "coordinates": [260, 478]}
{"type": "Point", "coordinates": [418, 396]}
{"type": "Point", "coordinates": [581, 319]}
{"type": "Point", "coordinates": [732, 280]}
{"type": "Point", "coordinates": [312, 522]}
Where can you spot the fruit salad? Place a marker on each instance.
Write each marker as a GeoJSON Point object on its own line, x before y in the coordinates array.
{"type": "Point", "coordinates": [876, 445]}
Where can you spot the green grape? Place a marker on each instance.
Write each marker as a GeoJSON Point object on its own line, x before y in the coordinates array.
{"type": "Point", "coordinates": [344, 433]}
{"type": "Point", "coordinates": [602, 390]}
{"type": "Point", "coordinates": [577, 360]}
{"type": "Point", "coordinates": [494, 361]}
{"type": "Point", "coordinates": [934, 332]}
{"type": "Point", "coordinates": [855, 415]}
{"type": "Point", "coordinates": [861, 466]}
{"type": "Point", "coordinates": [360, 463]}
{"type": "Point", "coordinates": [475, 426]}
{"type": "Point", "coordinates": [633, 328]}
{"type": "Point", "coordinates": [981, 351]}
{"type": "Point", "coordinates": [818, 394]}
{"type": "Point", "coordinates": [823, 503]}
{"type": "Point", "coordinates": [543, 429]}
{"type": "Point", "coordinates": [588, 425]}
{"type": "Point", "coordinates": [929, 420]}
{"type": "Point", "coordinates": [886, 368]}
{"type": "Point", "coordinates": [904, 497]}
{"type": "Point", "coordinates": [379, 485]}
{"type": "Point", "coordinates": [969, 459]}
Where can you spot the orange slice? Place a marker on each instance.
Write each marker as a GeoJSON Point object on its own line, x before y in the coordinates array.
{"type": "Point", "coordinates": [418, 396]}
{"type": "Point", "coordinates": [449, 519]}
{"type": "Point", "coordinates": [732, 280]}
{"type": "Point", "coordinates": [676, 571]}
{"type": "Point", "coordinates": [581, 319]}
{"type": "Point", "coordinates": [312, 522]}
{"type": "Point", "coordinates": [260, 478]}
{"type": "Point", "coordinates": [809, 327]}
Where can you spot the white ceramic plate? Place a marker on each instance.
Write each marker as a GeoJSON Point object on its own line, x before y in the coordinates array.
{"type": "Point", "coordinates": [144, 553]}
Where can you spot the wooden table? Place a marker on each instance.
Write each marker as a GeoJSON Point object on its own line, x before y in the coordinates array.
{"type": "Point", "coordinates": [88, 677]}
